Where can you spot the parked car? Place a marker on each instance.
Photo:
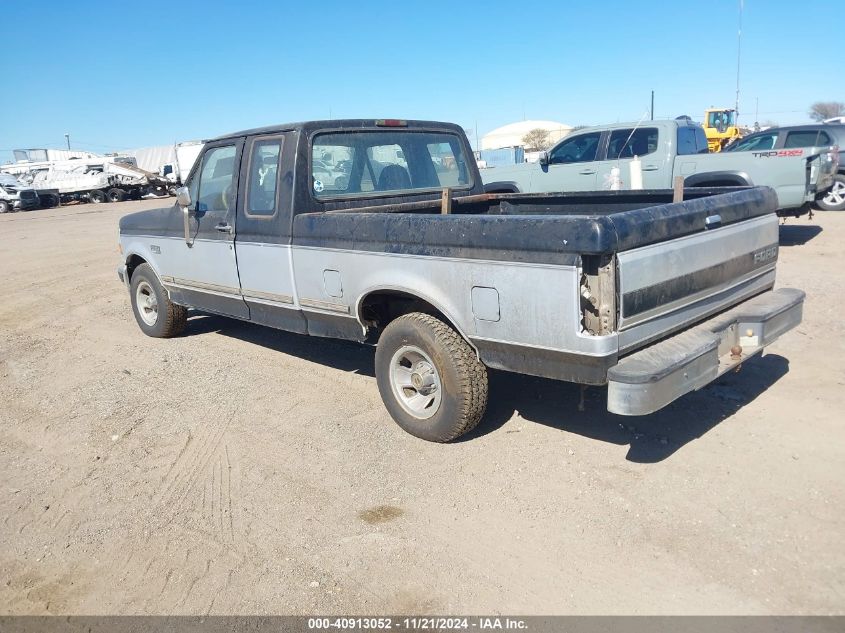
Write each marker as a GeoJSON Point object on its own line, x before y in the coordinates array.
{"type": "Point", "coordinates": [653, 298]}
{"type": "Point", "coordinates": [583, 160]}
{"type": "Point", "coordinates": [810, 139]}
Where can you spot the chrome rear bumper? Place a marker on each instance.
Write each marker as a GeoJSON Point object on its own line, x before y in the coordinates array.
{"type": "Point", "coordinates": [653, 377]}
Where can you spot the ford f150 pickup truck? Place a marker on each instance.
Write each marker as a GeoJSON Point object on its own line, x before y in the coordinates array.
{"type": "Point", "coordinates": [379, 231]}
{"type": "Point", "coordinates": [583, 160]}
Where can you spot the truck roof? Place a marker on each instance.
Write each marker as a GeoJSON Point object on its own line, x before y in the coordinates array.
{"type": "Point", "coordinates": [342, 124]}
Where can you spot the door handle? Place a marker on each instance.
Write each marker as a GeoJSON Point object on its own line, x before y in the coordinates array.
{"type": "Point", "coordinates": [224, 227]}
{"type": "Point", "coordinates": [651, 168]}
{"type": "Point", "coordinates": [587, 172]}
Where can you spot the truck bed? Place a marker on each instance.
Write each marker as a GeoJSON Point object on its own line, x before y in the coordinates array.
{"type": "Point", "coordinates": [541, 228]}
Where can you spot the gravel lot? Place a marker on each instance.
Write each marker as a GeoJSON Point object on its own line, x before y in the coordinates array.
{"type": "Point", "coordinates": [243, 470]}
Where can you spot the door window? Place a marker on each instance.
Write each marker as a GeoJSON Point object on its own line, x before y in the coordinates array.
{"type": "Point", "coordinates": [803, 138]}
{"type": "Point", "coordinates": [263, 177]}
{"type": "Point", "coordinates": [691, 140]}
{"type": "Point", "coordinates": [578, 149]}
{"type": "Point", "coordinates": [629, 143]}
{"type": "Point", "coordinates": [215, 190]}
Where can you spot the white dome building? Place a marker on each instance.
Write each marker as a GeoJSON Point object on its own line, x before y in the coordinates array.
{"type": "Point", "coordinates": [511, 135]}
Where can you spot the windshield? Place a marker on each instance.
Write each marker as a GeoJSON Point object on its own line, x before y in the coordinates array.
{"type": "Point", "coordinates": [352, 164]}
{"type": "Point", "coordinates": [759, 142]}
{"type": "Point", "coordinates": [721, 119]}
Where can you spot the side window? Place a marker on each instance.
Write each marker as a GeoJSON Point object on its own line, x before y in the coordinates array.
{"type": "Point", "coordinates": [691, 140]}
{"type": "Point", "coordinates": [629, 143]}
{"type": "Point", "coordinates": [686, 141]}
{"type": "Point", "coordinates": [824, 140]}
{"type": "Point", "coordinates": [756, 143]}
{"type": "Point", "coordinates": [214, 185]}
{"type": "Point", "coordinates": [263, 177]}
{"type": "Point", "coordinates": [801, 139]}
{"type": "Point", "coordinates": [701, 140]}
{"type": "Point", "coordinates": [578, 149]}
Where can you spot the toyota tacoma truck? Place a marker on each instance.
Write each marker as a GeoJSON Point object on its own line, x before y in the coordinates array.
{"type": "Point", "coordinates": [406, 251]}
{"type": "Point", "coordinates": [583, 160]}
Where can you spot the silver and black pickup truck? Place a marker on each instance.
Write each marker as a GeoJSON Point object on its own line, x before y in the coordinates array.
{"type": "Point", "coordinates": [380, 231]}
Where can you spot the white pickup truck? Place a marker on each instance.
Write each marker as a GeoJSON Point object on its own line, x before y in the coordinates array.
{"type": "Point", "coordinates": [583, 162]}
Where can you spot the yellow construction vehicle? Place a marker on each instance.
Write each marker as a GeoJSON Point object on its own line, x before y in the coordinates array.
{"type": "Point", "coordinates": [720, 127]}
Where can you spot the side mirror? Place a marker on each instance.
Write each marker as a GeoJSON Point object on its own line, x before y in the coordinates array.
{"type": "Point", "coordinates": [544, 159]}
{"type": "Point", "coordinates": [183, 197]}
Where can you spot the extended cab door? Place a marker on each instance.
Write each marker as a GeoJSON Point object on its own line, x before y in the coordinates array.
{"type": "Point", "coordinates": [643, 143]}
{"type": "Point", "coordinates": [263, 236]}
{"type": "Point", "coordinates": [203, 269]}
{"type": "Point", "coordinates": [572, 165]}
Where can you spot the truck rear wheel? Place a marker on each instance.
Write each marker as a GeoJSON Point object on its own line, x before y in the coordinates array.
{"type": "Point", "coordinates": [116, 195]}
{"type": "Point", "coordinates": [156, 315]}
{"type": "Point", "coordinates": [429, 378]}
{"type": "Point", "coordinates": [96, 196]}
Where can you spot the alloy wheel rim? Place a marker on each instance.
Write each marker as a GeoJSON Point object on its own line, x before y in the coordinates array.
{"type": "Point", "coordinates": [836, 195]}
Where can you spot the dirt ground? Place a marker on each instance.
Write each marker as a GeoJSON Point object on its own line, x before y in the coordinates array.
{"type": "Point", "coordinates": [242, 470]}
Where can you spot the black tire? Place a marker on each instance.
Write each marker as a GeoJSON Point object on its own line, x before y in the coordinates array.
{"type": "Point", "coordinates": [170, 319]}
{"type": "Point", "coordinates": [5, 207]}
{"type": "Point", "coordinates": [834, 198]}
{"type": "Point", "coordinates": [96, 196]}
{"type": "Point", "coordinates": [462, 377]}
{"type": "Point", "coordinates": [49, 200]}
{"type": "Point", "coordinates": [116, 195]}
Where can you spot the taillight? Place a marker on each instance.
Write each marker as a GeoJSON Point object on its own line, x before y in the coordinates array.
{"type": "Point", "coordinates": [391, 123]}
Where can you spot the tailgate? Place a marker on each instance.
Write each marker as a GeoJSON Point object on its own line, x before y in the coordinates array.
{"type": "Point", "coordinates": [668, 285]}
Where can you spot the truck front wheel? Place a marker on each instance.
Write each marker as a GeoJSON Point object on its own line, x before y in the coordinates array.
{"type": "Point", "coordinates": [156, 315]}
{"type": "Point", "coordinates": [429, 378]}
{"type": "Point", "coordinates": [5, 207]}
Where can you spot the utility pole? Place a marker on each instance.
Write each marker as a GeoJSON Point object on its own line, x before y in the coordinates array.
{"type": "Point", "coordinates": [652, 105]}
{"type": "Point", "coordinates": [67, 138]}
{"type": "Point", "coordinates": [738, 49]}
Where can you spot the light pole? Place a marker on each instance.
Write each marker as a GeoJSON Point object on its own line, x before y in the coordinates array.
{"type": "Point", "coordinates": [67, 138]}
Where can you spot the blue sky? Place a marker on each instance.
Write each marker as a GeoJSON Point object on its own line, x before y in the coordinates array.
{"type": "Point", "coordinates": [118, 75]}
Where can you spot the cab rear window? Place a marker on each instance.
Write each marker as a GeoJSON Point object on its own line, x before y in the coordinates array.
{"type": "Point", "coordinates": [390, 162]}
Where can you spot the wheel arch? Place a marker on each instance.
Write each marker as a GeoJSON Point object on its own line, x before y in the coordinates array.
{"type": "Point", "coordinates": [387, 303]}
{"type": "Point", "coordinates": [135, 258]}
